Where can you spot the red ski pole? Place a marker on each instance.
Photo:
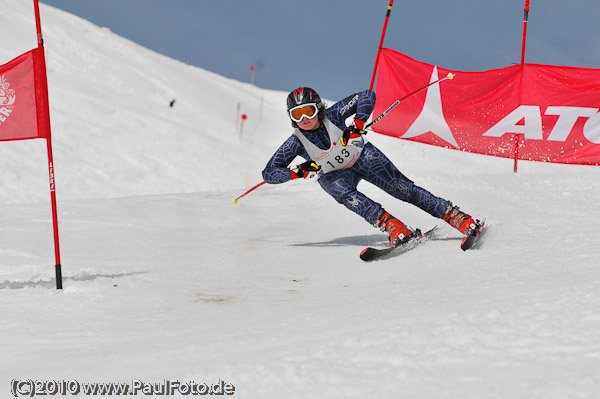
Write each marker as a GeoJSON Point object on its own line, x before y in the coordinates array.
{"type": "Point", "coordinates": [235, 200]}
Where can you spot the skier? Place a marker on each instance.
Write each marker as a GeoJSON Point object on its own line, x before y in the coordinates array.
{"type": "Point", "coordinates": [340, 157]}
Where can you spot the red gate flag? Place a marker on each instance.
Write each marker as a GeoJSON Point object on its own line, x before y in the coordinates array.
{"type": "Point", "coordinates": [23, 98]}
{"type": "Point", "coordinates": [552, 109]}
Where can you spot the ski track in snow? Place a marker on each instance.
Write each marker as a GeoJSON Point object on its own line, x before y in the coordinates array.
{"type": "Point", "coordinates": [165, 278]}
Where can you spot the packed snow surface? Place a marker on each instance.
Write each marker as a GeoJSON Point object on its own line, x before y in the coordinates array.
{"type": "Point", "coordinates": [166, 279]}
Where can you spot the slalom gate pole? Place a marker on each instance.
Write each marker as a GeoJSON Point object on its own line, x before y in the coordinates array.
{"type": "Point", "coordinates": [57, 265]}
{"type": "Point", "coordinates": [387, 17]}
{"type": "Point", "coordinates": [525, 20]}
{"type": "Point", "coordinates": [43, 77]}
{"type": "Point", "coordinates": [395, 104]}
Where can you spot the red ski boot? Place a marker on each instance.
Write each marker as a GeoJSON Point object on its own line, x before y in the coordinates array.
{"type": "Point", "coordinates": [398, 233]}
{"type": "Point", "coordinates": [459, 220]}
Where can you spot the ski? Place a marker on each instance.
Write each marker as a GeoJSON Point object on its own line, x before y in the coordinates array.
{"type": "Point", "coordinates": [472, 241]}
{"type": "Point", "coordinates": [368, 254]}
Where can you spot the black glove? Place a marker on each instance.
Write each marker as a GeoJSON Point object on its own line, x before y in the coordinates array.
{"type": "Point", "coordinates": [305, 170]}
{"type": "Point", "coordinates": [352, 132]}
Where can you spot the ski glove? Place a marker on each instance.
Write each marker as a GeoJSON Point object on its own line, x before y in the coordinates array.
{"type": "Point", "coordinates": [353, 131]}
{"type": "Point", "coordinates": [306, 170]}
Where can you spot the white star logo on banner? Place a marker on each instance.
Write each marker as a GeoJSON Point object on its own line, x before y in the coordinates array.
{"type": "Point", "coordinates": [431, 119]}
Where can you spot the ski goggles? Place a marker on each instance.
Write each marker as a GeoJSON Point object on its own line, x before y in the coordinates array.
{"type": "Point", "coordinates": [307, 111]}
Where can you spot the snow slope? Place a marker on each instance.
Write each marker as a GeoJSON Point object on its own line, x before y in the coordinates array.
{"type": "Point", "coordinates": [166, 279]}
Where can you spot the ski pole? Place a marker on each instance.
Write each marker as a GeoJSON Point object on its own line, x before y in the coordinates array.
{"type": "Point", "coordinates": [235, 200]}
{"type": "Point", "coordinates": [395, 104]}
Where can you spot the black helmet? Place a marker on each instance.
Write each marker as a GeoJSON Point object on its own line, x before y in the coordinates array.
{"type": "Point", "coordinates": [303, 95]}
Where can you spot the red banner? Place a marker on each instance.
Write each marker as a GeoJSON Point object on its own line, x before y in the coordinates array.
{"type": "Point", "coordinates": [23, 98]}
{"type": "Point", "coordinates": [532, 112]}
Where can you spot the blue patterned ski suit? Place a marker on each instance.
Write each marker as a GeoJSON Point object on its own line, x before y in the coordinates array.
{"type": "Point", "coordinates": [372, 166]}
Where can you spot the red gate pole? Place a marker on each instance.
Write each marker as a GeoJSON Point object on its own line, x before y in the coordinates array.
{"type": "Point", "coordinates": [57, 267]}
{"type": "Point", "coordinates": [387, 17]}
{"type": "Point", "coordinates": [42, 76]}
{"type": "Point", "coordinates": [525, 20]}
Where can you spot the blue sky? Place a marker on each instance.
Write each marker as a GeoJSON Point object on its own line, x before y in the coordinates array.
{"type": "Point", "coordinates": [331, 45]}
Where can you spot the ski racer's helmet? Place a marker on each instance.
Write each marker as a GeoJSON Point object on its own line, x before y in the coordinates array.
{"type": "Point", "coordinates": [303, 95]}
{"type": "Point", "coordinates": [304, 102]}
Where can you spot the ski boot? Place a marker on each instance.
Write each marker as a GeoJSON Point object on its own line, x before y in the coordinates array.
{"type": "Point", "coordinates": [461, 221]}
{"type": "Point", "coordinates": [465, 224]}
{"type": "Point", "coordinates": [398, 233]}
